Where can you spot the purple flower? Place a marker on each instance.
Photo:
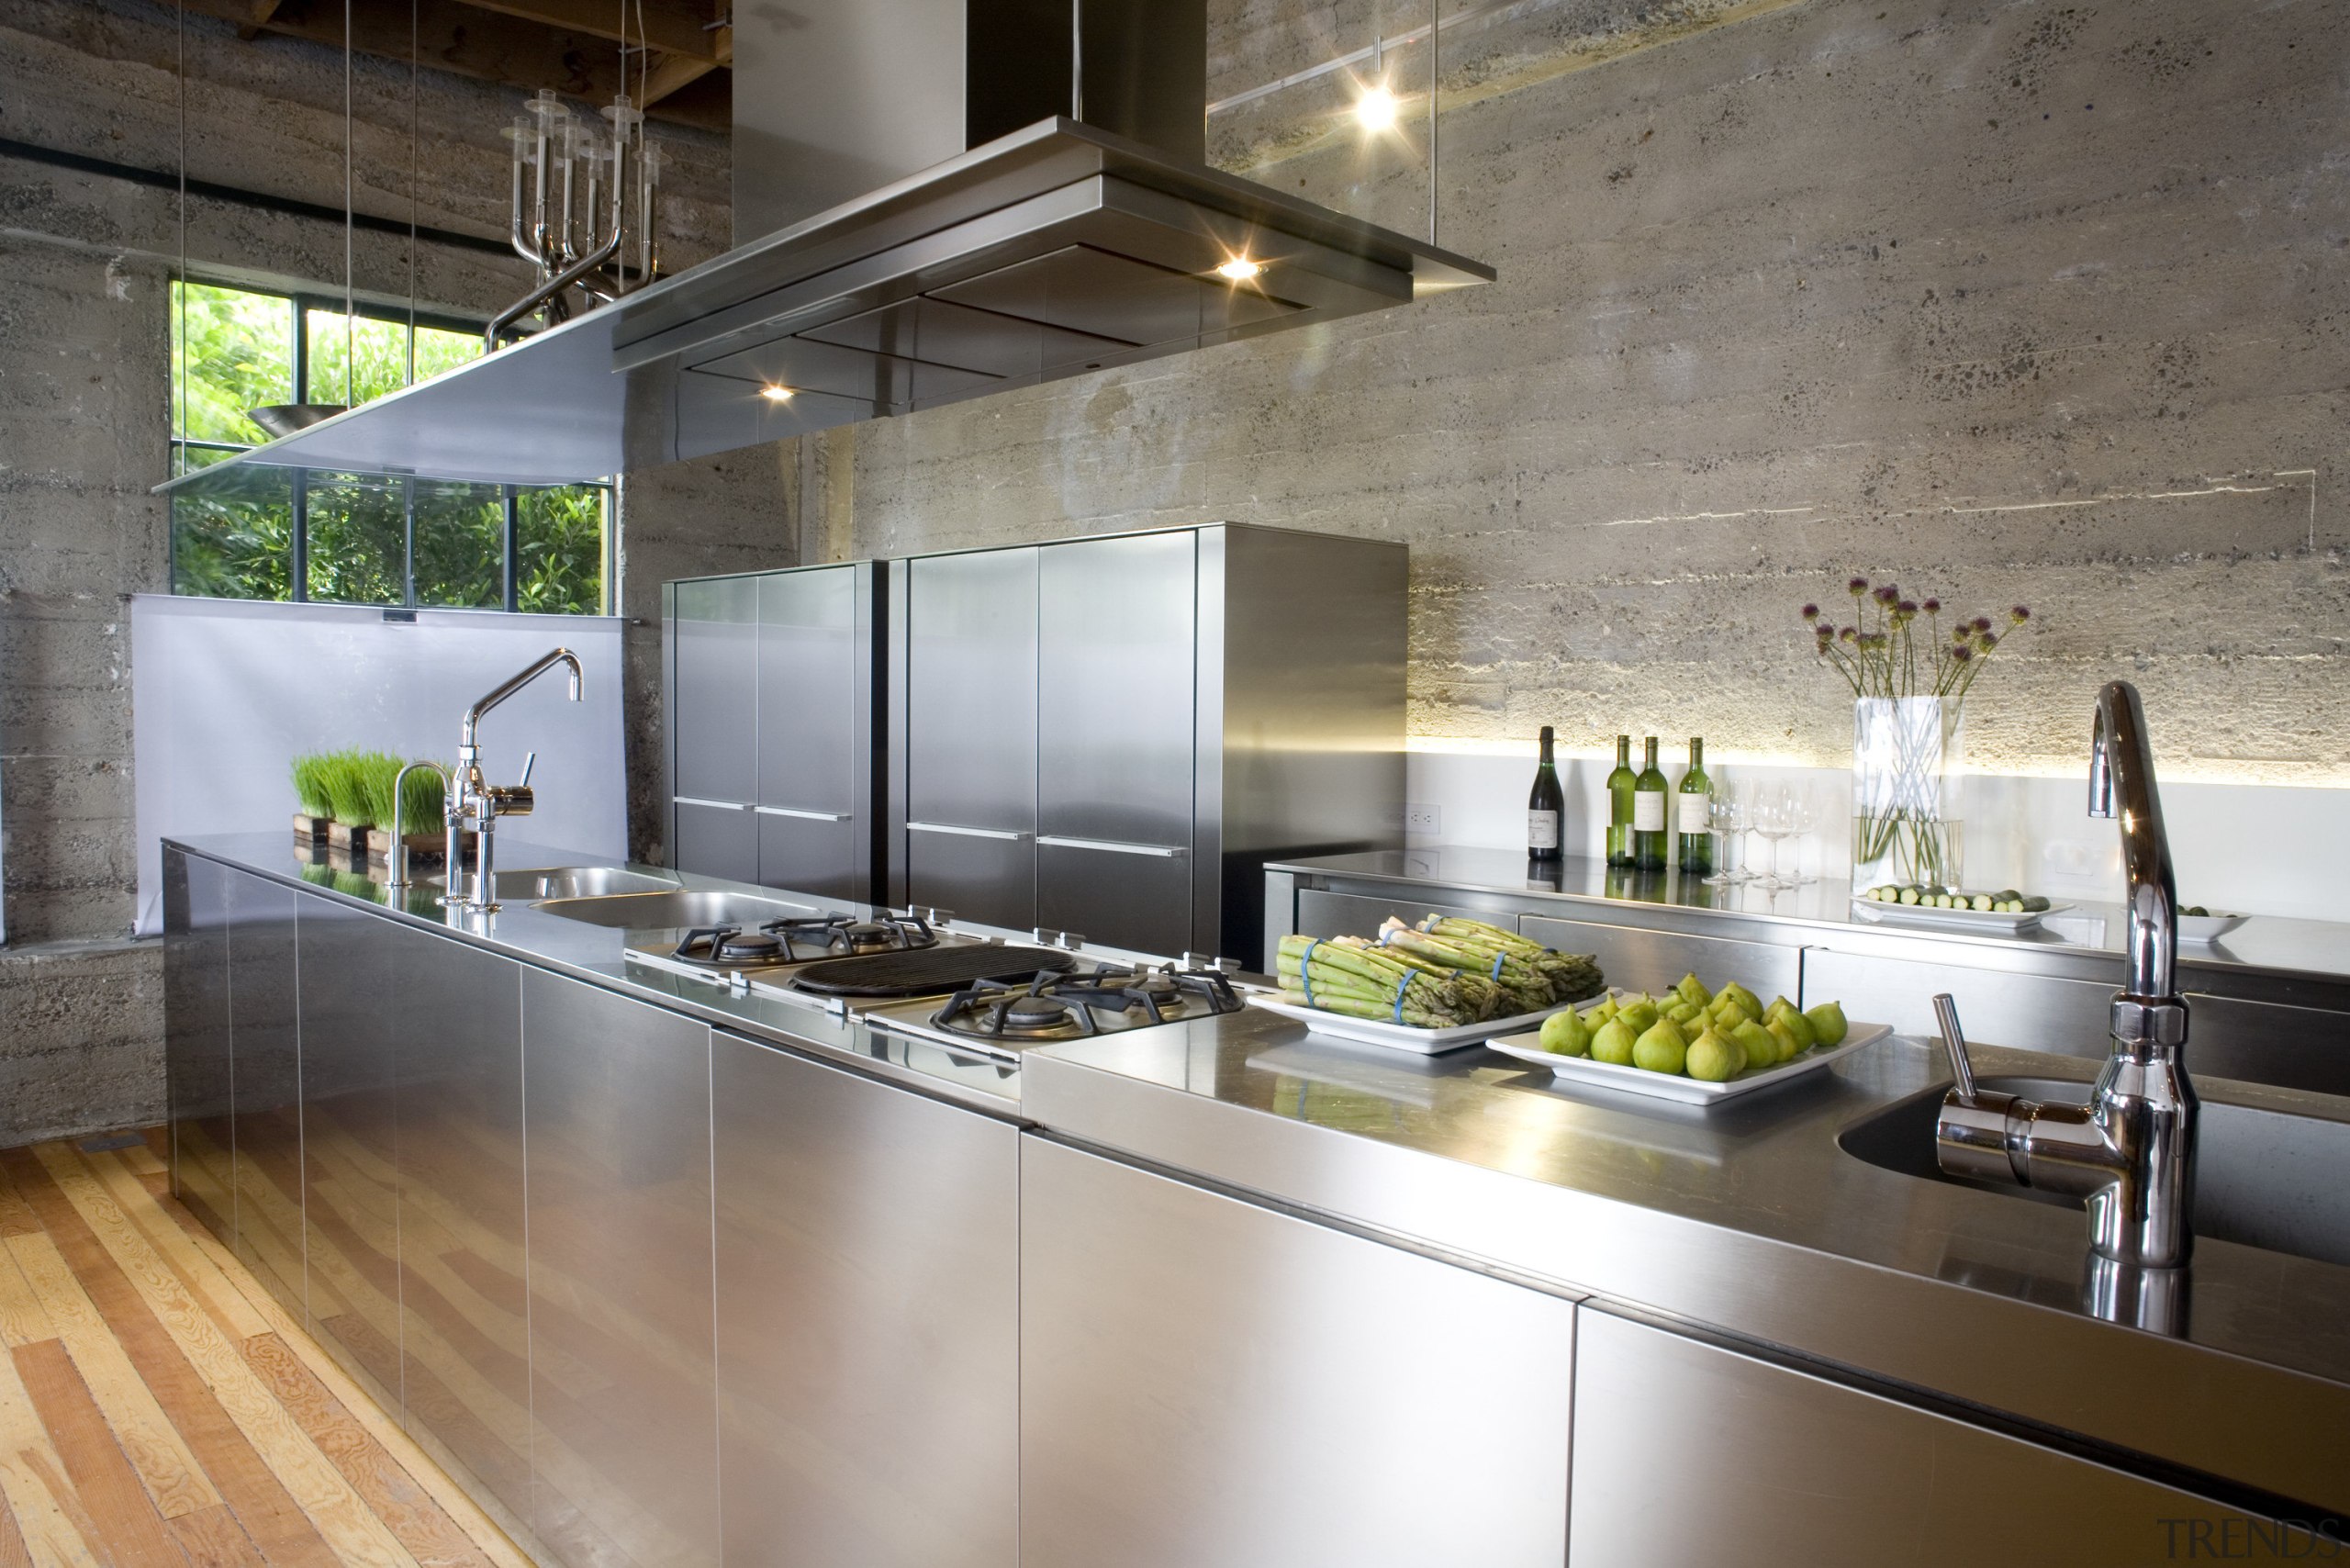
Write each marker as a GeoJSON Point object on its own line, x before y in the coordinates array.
{"type": "Point", "coordinates": [1933, 607]}
{"type": "Point", "coordinates": [1987, 642]}
{"type": "Point", "coordinates": [1857, 586]}
{"type": "Point", "coordinates": [1811, 612]}
{"type": "Point", "coordinates": [2020, 615]}
{"type": "Point", "coordinates": [1962, 653]}
{"type": "Point", "coordinates": [1849, 634]}
{"type": "Point", "coordinates": [1907, 607]}
{"type": "Point", "coordinates": [1888, 594]}
{"type": "Point", "coordinates": [1982, 624]}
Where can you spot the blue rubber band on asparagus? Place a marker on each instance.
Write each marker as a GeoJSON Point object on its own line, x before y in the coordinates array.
{"type": "Point", "coordinates": [1306, 970]}
{"type": "Point", "coordinates": [1401, 986]}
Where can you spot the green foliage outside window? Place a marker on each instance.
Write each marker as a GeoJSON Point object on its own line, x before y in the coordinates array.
{"type": "Point", "coordinates": [368, 539]}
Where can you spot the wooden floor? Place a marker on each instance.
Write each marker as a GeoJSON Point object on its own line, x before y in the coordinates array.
{"type": "Point", "coordinates": [157, 1407]}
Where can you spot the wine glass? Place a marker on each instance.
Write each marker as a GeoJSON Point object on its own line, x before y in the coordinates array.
{"type": "Point", "coordinates": [1803, 816]}
{"type": "Point", "coordinates": [1773, 820]}
{"type": "Point", "coordinates": [1729, 825]}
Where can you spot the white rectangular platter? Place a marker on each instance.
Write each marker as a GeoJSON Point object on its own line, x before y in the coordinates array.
{"type": "Point", "coordinates": [2202, 930]}
{"type": "Point", "coordinates": [1408, 1036]}
{"type": "Point", "coordinates": [1527, 1048]}
{"type": "Point", "coordinates": [1990, 920]}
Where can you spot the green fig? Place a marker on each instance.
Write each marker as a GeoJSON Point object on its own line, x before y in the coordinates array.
{"type": "Point", "coordinates": [1789, 1047]}
{"type": "Point", "coordinates": [1746, 999]}
{"type": "Point", "coordinates": [1684, 1012]}
{"type": "Point", "coordinates": [1564, 1034]}
{"type": "Point", "coordinates": [1608, 1007]}
{"type": "Point", "coordinates": [1690, 989]}
{"type": "Point", "coordinates": [1828, 1022]}
{"type": "Point", "coordinates": [1593, 1018]}
{"type": "Point", "coordinates": [1778, 1004]}
{"type": "Point", "coordinates": [1640, 1013]}
{"type": "Point", "coordinates": [1800, 1027]}
{"type": "Point", "coordinates": [1661, 1047]}
{"type": "Point", "coordinates": [1762, 1048]}
{"type": "Point", "coordinates": [1715, 1059]}
{"type": "Point", "coordinates": [1613, 1042]}
{"type": "Point", "coordinates": [1729, 1010]}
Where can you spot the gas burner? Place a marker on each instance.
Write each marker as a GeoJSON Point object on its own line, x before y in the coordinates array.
{"type": "Point", "coordinates": [728, 946]}
{"type": "Point", "coordinates": [1052, 1006]}
{"type": "Point", "coordinates": [838, 935]}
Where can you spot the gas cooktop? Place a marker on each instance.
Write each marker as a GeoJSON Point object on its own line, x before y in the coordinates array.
{"type": "Point", "coordinates": [1008, 1016]}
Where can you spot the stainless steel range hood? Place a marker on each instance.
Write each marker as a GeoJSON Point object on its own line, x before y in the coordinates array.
{"type": "Point", "coordinates": [1044, 252]}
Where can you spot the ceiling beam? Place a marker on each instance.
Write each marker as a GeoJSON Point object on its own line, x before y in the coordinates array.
{"type": "Point", "coordinates": [460, 38]}
{"type": "Point", "coordinates": [670, 27]}
{"type": "Point", "coordinates": [675, 71]}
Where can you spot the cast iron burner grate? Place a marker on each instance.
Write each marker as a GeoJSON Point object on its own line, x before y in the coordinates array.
{"type": "Point", "coordinates": [925, 969]}
{"type": "Point", "coordinates": [840, 935]}
{"type": "Point", "coordinates": [1061, 1006]}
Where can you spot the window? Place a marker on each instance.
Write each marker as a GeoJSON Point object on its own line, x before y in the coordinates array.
{"type": "Point", "coordinates": [300, 533]}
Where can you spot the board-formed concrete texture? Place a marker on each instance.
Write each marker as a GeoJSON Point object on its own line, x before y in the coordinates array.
{"type": "Point", "coordinates": [2005, 299]}
{"type": "Point", "coordinates": [85, 383]}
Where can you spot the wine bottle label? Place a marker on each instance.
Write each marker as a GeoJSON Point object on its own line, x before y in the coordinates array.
{"type": "Point", "coordinates": [1648, 811]}
{"type": "Point", "coordinates": [1541, 830]}
{"type": "Point", "coordinates": [1697, 813]}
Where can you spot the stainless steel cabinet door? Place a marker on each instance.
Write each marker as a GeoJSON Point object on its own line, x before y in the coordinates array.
{"type": "Point", "coordinates": [810, 853]}
{"type": "Point", "coordinates": [2268, 1042]}
{"type": "Point", "coordinates": [713, 726]}
{"type": "Point", "coordinates": [1655, 960]}
{"type": "Point", "coordinates": [806, 670]}
{"type": "Point", "coordinates": [196, 1040]}
{"type": "Point", "coordinates": [1117, 639]}
{"type": "Point", "coordinates": [1126, 895]}
{"type": "Point", "coordinates": [716, 839]}
{"type": "Point", "coordinates": [265, 1036]}
{"type": "Point", "coordinates": [351, 1216]}
{"type": "Point", "coordinates": [972, 734]}
{"type": "Point", "coordinates": [868, 1310]}
{"type": "Point", "coordinates": [1205, 1382]}
{"type": "Point", "coordinates": [1686, 1453]}
{"type": "Point", "coordinates": [464, 1320]}
{"type": "Point", "coordinates": [625, 1413]}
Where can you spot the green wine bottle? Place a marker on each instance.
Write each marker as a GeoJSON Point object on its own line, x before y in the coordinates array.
{"type": "Point", "coordinates": [1648, 814]}
{"type": "Point", "coordinates": [1694, 821]}
{"type": "Point", "coordinates": [1620, 805]}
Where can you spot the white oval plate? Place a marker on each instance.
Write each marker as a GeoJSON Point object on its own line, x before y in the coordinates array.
{"type": "Point", "coordinates": [2202, 929]}
{"type": "Point", "coordinates": [1527, 1048]}
{"type": "Point", "coordinates": [1954, 918]}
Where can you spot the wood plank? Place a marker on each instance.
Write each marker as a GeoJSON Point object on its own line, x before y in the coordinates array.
{"type": "Point", "coordinates": [263, 1506]}
{"type": "Point", "coordinates": [133, 1534]}
{"type": "Point", "coordinates": [32, 1479]}
{"type": "Point", "coordinates": [139, 1158]}
{"type": "Point", "coordinates": [177, 1236]}
{"type": "Point", "coordinates": [169, 1473]}
{"type": "Point", "coordinates": [317, 1488]}
{"type": "Point", "coordinates": [200, 1256]}
{"type": "Point", "coordinates": [211, 1538]}
{"type": "Point", "coordinates": [423, 1526]}
{"type": "Point", "coordinates": [12, 1541]}
{"type": "Point", "coordinates": [23, 1319]}
{"type": "Point", "coordinates": [669, 27]}
{"type": "Point", "coordinates": [676, 70]}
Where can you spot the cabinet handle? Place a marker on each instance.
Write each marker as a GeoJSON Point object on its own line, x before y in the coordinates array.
{"type": "Point", "coordinates": [1113, 847]}
{"type": "Point", "coordinates": [805, 816]}
{"type": "Point", "coordinates": [1006, 835]}
{"type": "Point", "coordinates": [714, 805]}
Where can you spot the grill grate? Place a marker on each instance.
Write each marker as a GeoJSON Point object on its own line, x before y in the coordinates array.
{"type": "Point", "coordinates": [925, 969]}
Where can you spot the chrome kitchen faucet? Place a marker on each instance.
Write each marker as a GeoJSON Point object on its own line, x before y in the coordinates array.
{"type": "Point", "coordinates": [2129, 1152]}
{"type": "Point", "coordinates": [472, 796]}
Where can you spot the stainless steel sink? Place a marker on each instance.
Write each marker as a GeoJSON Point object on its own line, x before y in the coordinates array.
{"type": "Point", "coordinates": [574, 882]}
{"type": "Point", "coordinates": [671, 907]}
{"type": "Point", "coordinates": [2262, 1178]}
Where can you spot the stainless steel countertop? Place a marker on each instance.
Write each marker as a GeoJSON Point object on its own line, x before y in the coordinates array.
{"type": "Point", "coordinates": [2265, 946]}
{"type": "Point", "coordinates": [1750, 1218]}
{"type": "Point", "coordinates": [596, 954]}
{"type": "Point", "coordinates": [1746, 1218]}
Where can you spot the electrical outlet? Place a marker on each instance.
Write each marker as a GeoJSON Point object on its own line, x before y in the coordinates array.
{"type": "Point", "coordinates": [1423, 819]}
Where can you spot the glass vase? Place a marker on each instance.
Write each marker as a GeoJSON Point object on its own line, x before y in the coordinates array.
{"type": "Point", "coordinates": [1908, 825]}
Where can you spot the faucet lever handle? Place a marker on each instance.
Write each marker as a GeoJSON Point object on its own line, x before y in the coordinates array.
{"type": "Point", "coordinates": [1954, 1044]}
{"type": "Point", "coordinates": [530, 760]}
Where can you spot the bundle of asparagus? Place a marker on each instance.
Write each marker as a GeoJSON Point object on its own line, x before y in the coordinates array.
{"type": "Point", "coordinates": [1361, 980]}
{"type": "Point", "coordinates": [1532, 977]}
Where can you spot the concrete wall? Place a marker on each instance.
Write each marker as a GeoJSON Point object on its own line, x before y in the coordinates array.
{"type": "Point", "coordinates": [84, 377]}
{"type": "Point", "coordinates": [2013, 300]}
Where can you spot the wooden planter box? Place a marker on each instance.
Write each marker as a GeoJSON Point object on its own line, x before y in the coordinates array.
{"type": "Point", "coordinates": [423, 849]}
{"type": "Point", "coordinates": [311, 829]}
{"type": "Point", "coordinates": [356, 840]}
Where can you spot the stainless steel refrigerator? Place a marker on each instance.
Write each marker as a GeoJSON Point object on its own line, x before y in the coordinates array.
{"type": "Point", "coordinates": [1107, 736]}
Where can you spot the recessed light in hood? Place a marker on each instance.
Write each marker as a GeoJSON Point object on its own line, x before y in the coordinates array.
{"type": "Point", "coordinates": [1053, 250]}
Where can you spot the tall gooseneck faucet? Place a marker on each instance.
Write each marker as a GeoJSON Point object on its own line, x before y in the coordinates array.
{"type": "Point", "coordinates": [474, 798]}
{"type": "Point", "coordinates": [2129, 1152]}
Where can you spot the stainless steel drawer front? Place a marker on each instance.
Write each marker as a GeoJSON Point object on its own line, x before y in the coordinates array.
{"type": "Point", "coordinates": [1005, 835]}
{"type": "Point", "coordinates": [803, 816]}
{"type": "Point", "coordinates": [1640, 960]}
{"type": "Point", "coordinates": [2002, 1007]}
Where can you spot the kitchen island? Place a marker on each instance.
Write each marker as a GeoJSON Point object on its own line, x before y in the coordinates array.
{"type": "Point", "coordinates": [670, 1270]}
